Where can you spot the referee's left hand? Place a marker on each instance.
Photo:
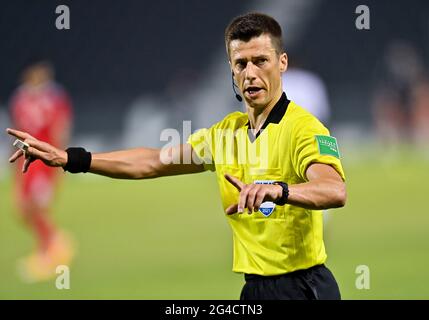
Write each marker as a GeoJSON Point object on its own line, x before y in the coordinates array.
{"type": "Point", "coordinates": [50, 155]}
{"type": "Point", "coordinates": [252, 195]}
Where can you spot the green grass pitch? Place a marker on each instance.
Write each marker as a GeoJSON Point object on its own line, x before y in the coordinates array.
{"type": "Point", "coordinates": [167, 238]}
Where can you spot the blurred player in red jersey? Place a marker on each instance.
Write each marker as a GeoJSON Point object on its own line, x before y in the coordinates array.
{"type": "Point", "coordinates": [42, 107]}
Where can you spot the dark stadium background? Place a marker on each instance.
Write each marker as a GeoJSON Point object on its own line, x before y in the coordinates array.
{"type": "Point", "coordinates": [116, 51]}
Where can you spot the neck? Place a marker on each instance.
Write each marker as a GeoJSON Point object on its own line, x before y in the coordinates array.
{"type": "Point", "coordinates": [257, 116]}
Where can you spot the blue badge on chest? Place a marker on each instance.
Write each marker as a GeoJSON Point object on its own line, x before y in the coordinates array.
{"type": "Point", "coordinates": [266, 207]}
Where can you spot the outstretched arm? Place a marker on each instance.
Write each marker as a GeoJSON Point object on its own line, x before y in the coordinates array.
{"type": "Point", "coordinates": [139, 163]}
{"type": "Point", "coordinates": [144, 163]}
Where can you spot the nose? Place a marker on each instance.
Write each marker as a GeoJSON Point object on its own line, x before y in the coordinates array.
{"type": "Point", "coordinates": [250, 71]}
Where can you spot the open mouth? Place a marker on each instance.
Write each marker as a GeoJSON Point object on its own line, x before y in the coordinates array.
{"type": "Point", "coordinates": [253, 90]}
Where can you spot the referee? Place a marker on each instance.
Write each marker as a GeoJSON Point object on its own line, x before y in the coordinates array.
{"type": "Point", "coordinates": [274, 179]}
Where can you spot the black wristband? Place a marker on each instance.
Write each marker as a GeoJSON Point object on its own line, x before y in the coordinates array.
{"type": "Point", "coordinates": [285, 193]}
{"type": "Point", "coordinates": [78, 160]}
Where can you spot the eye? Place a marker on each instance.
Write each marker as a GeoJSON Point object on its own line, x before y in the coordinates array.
{"type": "Point", "coordinates": [261, 61]}
{"type": "Point", "coordinates": [240, 65]}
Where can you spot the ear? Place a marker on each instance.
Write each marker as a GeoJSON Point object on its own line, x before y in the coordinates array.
{"type": "Point", "coordinates": [283, 62]}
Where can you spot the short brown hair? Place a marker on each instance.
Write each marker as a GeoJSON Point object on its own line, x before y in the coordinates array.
{"type": "Point", "coordinates": [250, 25]}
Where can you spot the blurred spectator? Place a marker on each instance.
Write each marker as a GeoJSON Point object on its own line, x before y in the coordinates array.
{"type": "Point", "coordinates": [401, 100]}
{"type": "Point", "coordinates": [420, 114]}
{"type": "Point", "coordinates": [42, 108]}
{"type": "Point", "coordinates": [308, 90]}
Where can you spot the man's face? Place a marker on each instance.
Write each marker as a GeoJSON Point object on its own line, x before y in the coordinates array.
{"type": "Point", "coordinates": [257, 70]}
{"type": "Point", "coordinates": [37, 74]}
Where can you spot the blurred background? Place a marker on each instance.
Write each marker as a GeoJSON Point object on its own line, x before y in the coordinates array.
{"type": "Point", "coordinates": [128, 70]}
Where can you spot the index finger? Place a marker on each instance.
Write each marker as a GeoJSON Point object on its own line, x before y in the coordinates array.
{"type": "Point", "coordinates": [234, 181]}
{"type": "Point", "coordinates": [16, 155]}
{"type": "Point", "coordinates": [18, 134]}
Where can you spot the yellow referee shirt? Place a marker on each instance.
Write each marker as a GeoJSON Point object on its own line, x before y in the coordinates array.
{"type": "Point", "coordinates": [276, 239]}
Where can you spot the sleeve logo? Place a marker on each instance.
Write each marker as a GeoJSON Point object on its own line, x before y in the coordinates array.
{"type": "Point", "coordinates": [328, 146]}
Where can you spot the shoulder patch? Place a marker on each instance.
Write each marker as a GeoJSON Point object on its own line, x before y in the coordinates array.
{"type": "Point", "coordinates": [328, 146]}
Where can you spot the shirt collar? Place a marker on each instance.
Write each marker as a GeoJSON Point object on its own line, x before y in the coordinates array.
{"type": "Point", "coordinates": [275, 116]}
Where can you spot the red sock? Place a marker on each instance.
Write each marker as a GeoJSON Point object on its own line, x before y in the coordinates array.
{"type": "Point", "coordinates": [43, 229]}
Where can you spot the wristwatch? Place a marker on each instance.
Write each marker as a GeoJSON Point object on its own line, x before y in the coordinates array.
{"type": "Point", "coordinates": [285, 194]}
